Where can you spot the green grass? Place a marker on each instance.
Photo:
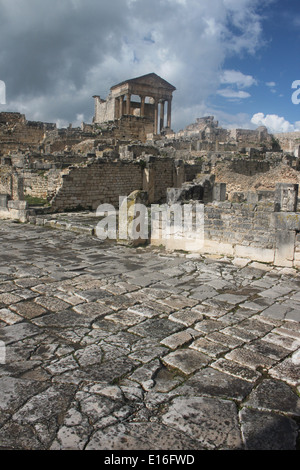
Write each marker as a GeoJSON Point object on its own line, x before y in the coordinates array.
{"type": "Point", "coordinates": [35, 201]}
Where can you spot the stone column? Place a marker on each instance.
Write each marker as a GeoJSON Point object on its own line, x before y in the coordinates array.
{"type": "Point", "coordinates": [155, 116]}
{"type": "Point", "coordinates": [143, 106]}
{"type": "Point", "coordinates": [128, 97]}
{"type": "Point", "coordinates": [120, 106]}
{"type": "Point", "coordinates": [162, 115]}
{"type": "Point", "coordinates": [116, 108]}
{"type": "Point", "coordinates": [169, 113]}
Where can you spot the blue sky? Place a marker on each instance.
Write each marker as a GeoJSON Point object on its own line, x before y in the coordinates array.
{"type": "Point", "coordinates": [234, 59]}
{"type": "Point", "coordinates": [274, 67]}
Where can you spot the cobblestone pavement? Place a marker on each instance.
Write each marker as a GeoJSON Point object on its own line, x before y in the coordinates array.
{"type": "Point", "coordinates": [110, 347]}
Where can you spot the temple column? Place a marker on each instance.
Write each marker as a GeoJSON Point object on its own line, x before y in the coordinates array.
{"type": "Point", "coordinates": [155, 116]}
{"type": "Point", "coordinates": [128, 98]}
{"type": "Point", "coordinates": [142, 106]}
{"type": "Point", "coordinates": [120, 107]}
{"type": "Point", "coordinates": [162, 115]}
{"type": "Point", "coordinates": [169, 113]}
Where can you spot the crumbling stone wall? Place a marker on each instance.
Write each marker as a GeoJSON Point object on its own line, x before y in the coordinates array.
{"type": "Point", "coordinates": [264, 226]}
{"type": "Point", "coordinates": [41, 184]}
{"type": "Point", "coordinates": [16, 133]}
{"type": "Point", "coordinates": [101, 182]}
{"type": "Point", "coordinates": [241, 229]}
{"type": "Point", "coordinates": [288, 141]}
{"type": "Point", "coordinates": [5, 180]}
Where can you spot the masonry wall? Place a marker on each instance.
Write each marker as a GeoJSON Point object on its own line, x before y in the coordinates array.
{"type": "Point", "coordinates": [288, 141]}
{"type": "Point", "coordinates": [164, 178]}
{"type": "Point", "coordinates": [105, 110]}
{"type": "Point", "coordinates": [241, 229]}
{"type": "Point", "coordinates": [5, 180]}
{"type": "Point", "coordinates": [16, 133]}
{"type": "Point", "coordinates": [42, 184]}
{"type": "Point", "coordinates": [101, 182]}
{"type": "Point", "coordinates": [265, 228]}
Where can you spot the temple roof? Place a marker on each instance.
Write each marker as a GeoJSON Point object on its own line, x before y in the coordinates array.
{"type": "Point", "coordinates": [151, 79]}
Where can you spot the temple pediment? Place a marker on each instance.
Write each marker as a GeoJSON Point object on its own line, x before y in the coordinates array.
{"type": "Point", "coordinates": [149, 80]}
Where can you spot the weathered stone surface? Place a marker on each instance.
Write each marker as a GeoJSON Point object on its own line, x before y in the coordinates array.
{"type": "Point", "coordinates": [155, 328]}
{"type": "Point", "coordinates": [273, 395]}
{"type": "Point", "coordinates": [186, 317]}
{"type": "Point", "coordinates": [267, 431]}
{"type": "Point", "coordinates": [28, 309]}
{"type": "Point", "coordinates": [18, 332]}
{"type": "Point", "coordinates": [15, 392]}
{"type": "Point", "coordinates": [118, 362]}
{"type": "Point", "coordinates": [9, 317]}
{"type": "Point", "coordinates": [249, 358]}
{"type": "Point", "coordinates": [186, 360]}
{"type": "Point", "coordinates": [210, 421]}
{"type": "Point", "coordinates": [209, 347]}
{"type": "Point", "coordinates": [142, 436]}
{"type": "Point", "coordinates": [235, 369]}
{"type": "Point", "coordinates": [211, 382]}
{"type": "Point", "coordinates": [288, 370]}
{"type": "Point", "coordinates": [179, 339]}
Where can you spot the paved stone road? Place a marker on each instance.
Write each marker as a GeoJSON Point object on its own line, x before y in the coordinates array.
{"type": "Point", "coordinates": [110, 347]}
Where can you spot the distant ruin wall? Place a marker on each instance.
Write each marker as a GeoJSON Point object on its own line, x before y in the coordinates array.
{"type": "Point", "coordinates": [16, 133]}
{"type": "Point", "coordinates": [288, 141]}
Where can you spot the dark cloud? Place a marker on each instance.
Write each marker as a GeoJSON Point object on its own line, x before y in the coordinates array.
{"type": "Point", "coordinates": [55, 55]}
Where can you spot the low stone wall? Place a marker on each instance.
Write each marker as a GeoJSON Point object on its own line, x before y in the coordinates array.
{"type": "Point", "coordinates": [264, 228]}
{"type": "Point", "coordinates": [13, 210]}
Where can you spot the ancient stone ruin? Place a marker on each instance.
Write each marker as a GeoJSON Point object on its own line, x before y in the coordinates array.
{"type": "Point", "coordinates": [152, 93]}
{"type": "Point", "coordinates": [247, 179]}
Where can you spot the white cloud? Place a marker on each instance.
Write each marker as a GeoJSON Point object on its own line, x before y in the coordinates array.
{"type": "Point", "coordinates": [271, 84]}
{"type": "Point", "coordinates": [233, 94]}
{"type": "Point", "coordinates": [274, 123]}
{"type": "Point", "coordinates": [237, 78]}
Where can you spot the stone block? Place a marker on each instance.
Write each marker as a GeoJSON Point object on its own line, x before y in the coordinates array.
{"type": "Point", "coordinates": [3, 201]}
{"type": "Point", "coordinates": [255, 253]}
{"type": "Point", "coordinates": [17, 205]}
{"type": "Point", "coordinates": [285, 247]}
{"type": "Point", "coordinates": [287, 221]}
{"type": "Point", "coordinates": [219, 192]}
{"type": "Point", "coordinates": [286, 195]}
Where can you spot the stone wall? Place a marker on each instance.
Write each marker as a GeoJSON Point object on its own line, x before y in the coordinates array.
{"type": "Point", "coordinates": [131, 128]}
{"type": "Point", "coordinates": [288, 141]}
{"type": "Point", "coordinates": [101, 182]}
{"type": "Point", "coordinates": [265, 228]}
{"type": "Point", "coordinates": [11, 184]}
{"type": "Point", "coordinates": [16, 133]}
{"type": "Point", "coordinates": [42, 184]}
{"type": "Point", "coordinates": [5, 180]}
